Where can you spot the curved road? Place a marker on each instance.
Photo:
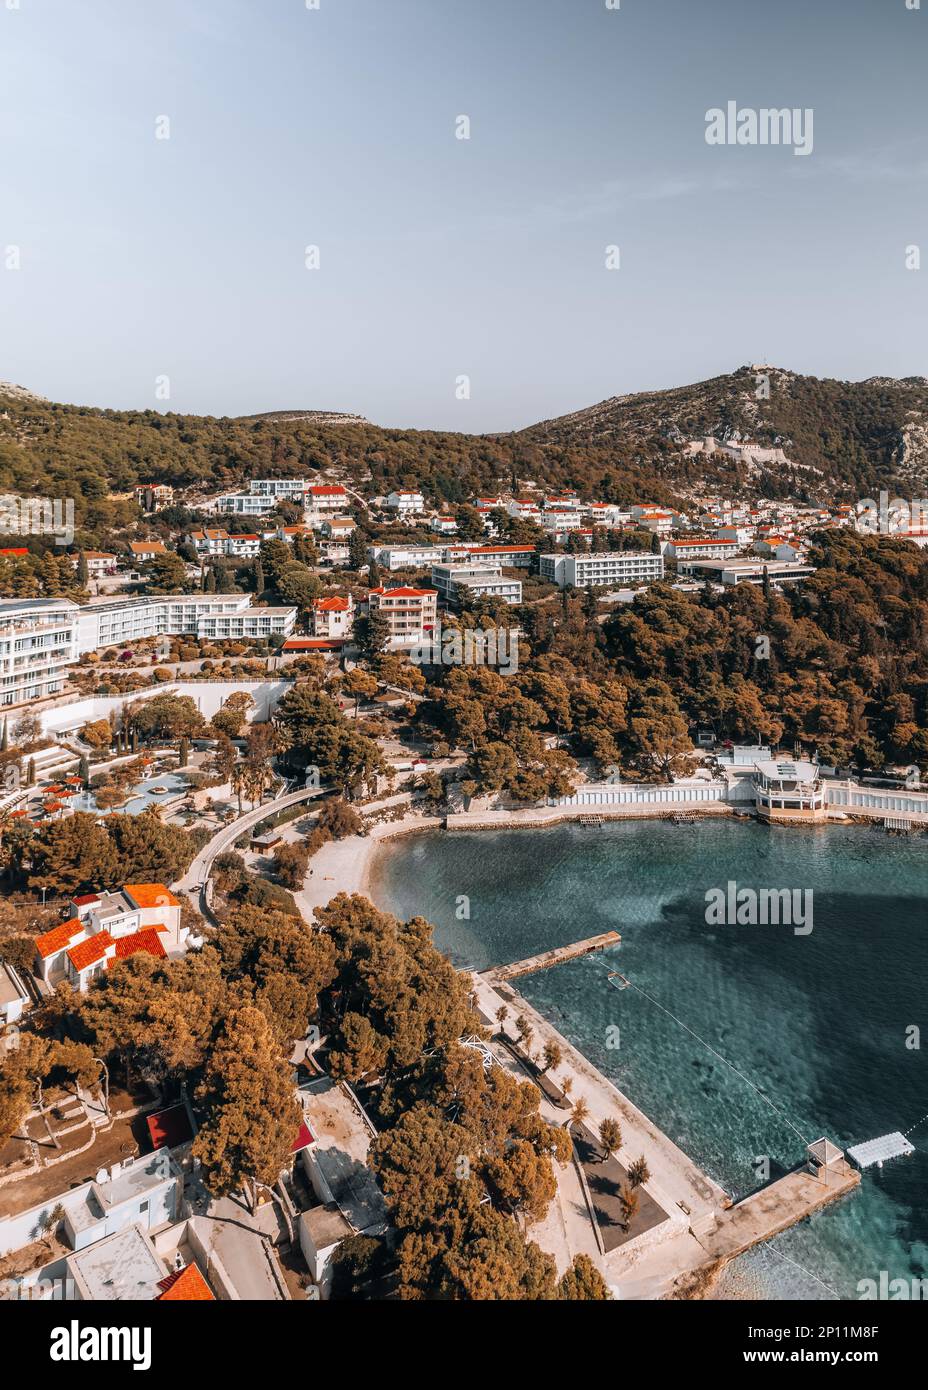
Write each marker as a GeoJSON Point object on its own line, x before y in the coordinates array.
{"type": "Point", "coordinates": [196, 878]}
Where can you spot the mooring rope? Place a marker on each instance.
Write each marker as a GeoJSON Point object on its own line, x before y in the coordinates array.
{"type": "Point", "coordinates": [725, 1060]}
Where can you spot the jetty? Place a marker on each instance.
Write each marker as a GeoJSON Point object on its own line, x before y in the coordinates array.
{"type": "Point", "coordinates": [499, 974]}
{"type": "Point", "coordinates": [775, 1208]}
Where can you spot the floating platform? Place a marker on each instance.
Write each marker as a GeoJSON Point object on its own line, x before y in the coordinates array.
{"type": "Point", "coordinates": [500, 973]}
{"type": "Point", "coordinates": [893, 1145]}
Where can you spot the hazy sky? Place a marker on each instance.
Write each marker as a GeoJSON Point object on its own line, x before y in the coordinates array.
{"type": "Point", "coordinates": [439, 257]}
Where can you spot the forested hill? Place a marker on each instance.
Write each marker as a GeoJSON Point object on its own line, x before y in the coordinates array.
{"type": "Point", "coordinates": [836, 435]}
{"type": "Point", "coordinates": [840, 441]}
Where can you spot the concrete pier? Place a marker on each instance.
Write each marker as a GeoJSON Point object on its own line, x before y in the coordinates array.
{"type": "Point", "coordinates": [773, 1209]}
{"type": "Point", "coordinates": [501, 973]}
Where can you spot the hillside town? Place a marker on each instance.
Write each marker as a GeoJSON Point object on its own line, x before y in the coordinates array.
{"type": "Point", "coordinates": [210, 725]}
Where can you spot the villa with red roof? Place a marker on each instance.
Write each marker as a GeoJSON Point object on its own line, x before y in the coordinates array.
{"type": "Point", "coordinates": [332, 617]}
{"type": "Point", "coordinates": [108, 927]}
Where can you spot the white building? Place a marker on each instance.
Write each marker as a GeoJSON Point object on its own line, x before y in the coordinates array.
{"type": "Point", "coordinates": [326, 499]}
{"type": "Point", "coordinates": [333, 617]}
{"type": "Point", "coordinates": [508, 556]}
{"type": "Point", "coordinates": [38, 641]}
{"type": "Point", "coordinates": [727, 572]}
{"type": "Point", "coordinates": [109, 927]}
{"type": "Point", "coordinates": [147, 1191]}
{"type": "Point", "coordinates": [777, 548]}
{"type": "Point", "coordinates": [99, 562]}
{"type": "Point", "coordinates": [611, 567]}
{"type": "Point", "coordinates": [403, 557]}
{"type": "Point", "coordinates": [216, 543]}
{"type": "Point", "coordinates": [14, 998]}
{"type": "Point", "coordinates": [459, 583]}
{"type": "Point", "coordinates": [410, 613]}
{"type": "Point", "coordinates": [704, 548]}
{"type": "Point", "coordinates": [263, 495]}
{"type": "Point", "coordinates": [788, 791]}
{"type": "Point", "coordinates": [524, 508]}
{"type": "Point", "coordinates": [210, 617]}
{"type": "Point", "coordinates": [405, 503]}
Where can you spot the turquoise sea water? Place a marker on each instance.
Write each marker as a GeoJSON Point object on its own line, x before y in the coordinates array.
{"type": "Point", "coordinates": [819, 1021]}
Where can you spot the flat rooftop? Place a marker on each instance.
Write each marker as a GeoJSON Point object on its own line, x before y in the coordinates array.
{"type": "Point", "coordinates": [10, 988]}
{"type": "Point", "coordinates": [123, 1267]}
{"type": "Point", "coordinates": [342, 1143]}
{"type": "Point", "coordinates": [35, 605]}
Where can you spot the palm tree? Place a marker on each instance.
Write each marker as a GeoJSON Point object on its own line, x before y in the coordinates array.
{"type": "Point", "coordinates": [639, 1172]}
{"type": "Point", "coordinates": [579, 1113]}
{"type": "Point", "coordinates": [239, 782]}
{"type": "Point", "coordinates": [610, 1136]}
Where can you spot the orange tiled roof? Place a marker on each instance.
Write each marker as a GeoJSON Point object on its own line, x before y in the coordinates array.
{"type": "Point", "coordinates": [50, 942]}
{"type": "Point", "coordinates": [88, 952]}
{"type": "Point", "coordinates": [145, 940]}
{"type": "Point", "coordinates": [185, 1285]}
{"type": "Point", "coordinates": [151, 895]}
{"type": "Point", "coordinates": [314, 644]}
{"type": "Point", "coordinates": [405, 593]}
{"type": "Point", "coordinates": [331, 605]}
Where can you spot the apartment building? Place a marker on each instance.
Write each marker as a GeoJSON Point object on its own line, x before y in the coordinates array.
{"type": "Point", "coordinates": [701, 548]}
{"type": "Point", "coordinates": [402, 557]}
{"type": "Point", "coordinates": [457, 583]}
{"type": "Point", "coordinates": [38, 641]}
{"type": "Point", "coordinates": [151, 496]}
{"type": "Point", "coordinates": [610, 567]}
{"type": "Point", "coordinates": [507, 556]}
{"type": "Point", "coordinates": [405, 503]}
{"type": "Point", "coordinates": [280, 489]}
{"type": "Point", "coordinates": [263, 495]}
{"type": "Point", "coordinates": [211, 617]}
{"type": "Point", "coordinates": [411, 613]}
{"type": "Point", "coordinates": [326, 499]}
{"type": "Point", "coordinates": [524, 509]}
{"type": "Point", "coordinates": [213, 543]}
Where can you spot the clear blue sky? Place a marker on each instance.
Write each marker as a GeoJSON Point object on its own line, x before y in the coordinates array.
{"type": "Point", "coordinates": [440, 257]}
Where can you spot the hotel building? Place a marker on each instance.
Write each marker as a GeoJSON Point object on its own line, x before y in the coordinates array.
{"type": "Point", "coordinates": [211, 617]}
{"type": "Point", "coordinates": [38, 641]}
{"type": "Point", "coordinates": [614, 567]}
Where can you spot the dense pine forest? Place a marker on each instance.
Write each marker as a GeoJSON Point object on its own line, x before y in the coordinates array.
{"type": "Point", "coordinates": [844, 440]}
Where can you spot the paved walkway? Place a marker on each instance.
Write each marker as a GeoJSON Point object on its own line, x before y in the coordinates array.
{"type": "Point", "coordinates": [195, 879]}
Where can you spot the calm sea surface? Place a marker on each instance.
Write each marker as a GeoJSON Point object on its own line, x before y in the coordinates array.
{"type": "Point", "coordinates": [818, 1022]}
